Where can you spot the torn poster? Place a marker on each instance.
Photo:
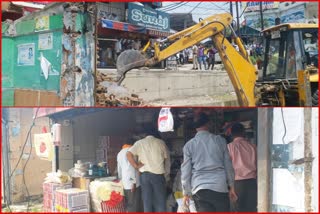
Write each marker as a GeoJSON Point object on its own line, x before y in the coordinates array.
{"type": "Point", "coordinates": [45, 66]}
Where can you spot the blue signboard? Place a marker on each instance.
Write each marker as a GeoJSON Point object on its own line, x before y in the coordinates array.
{"type": "Point", "coordinates": [148, 17]}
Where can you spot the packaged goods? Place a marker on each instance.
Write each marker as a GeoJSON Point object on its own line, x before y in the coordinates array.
{"type": "Point", "coordinates": [72, 200]}
{"type": "Point", "coordinates": [101, 191]}
{"type": "Point", "coordinates": [49, 190]}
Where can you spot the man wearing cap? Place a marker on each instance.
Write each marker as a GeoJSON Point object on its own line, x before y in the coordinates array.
{"type": "Point", "coordinates": [206, 172]}
{"type": "Point", "coordinates": [244, 159]}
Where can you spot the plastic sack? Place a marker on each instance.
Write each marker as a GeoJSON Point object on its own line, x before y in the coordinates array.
{"type": "Point", "coordinates": [186, 209]}
{"type": "Point", "coordinates": [165, 120]}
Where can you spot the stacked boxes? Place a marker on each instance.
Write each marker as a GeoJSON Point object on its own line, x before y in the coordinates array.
{"type": "Point", "coordinates": [49, 190]}
{"type": "Point", "coordinates": [72, 200]}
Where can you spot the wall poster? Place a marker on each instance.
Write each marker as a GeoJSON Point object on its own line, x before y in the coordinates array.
{"type": "Point", "coordinates": [45, 41]}
{"type": "Point", "coordinates": [26, 54]}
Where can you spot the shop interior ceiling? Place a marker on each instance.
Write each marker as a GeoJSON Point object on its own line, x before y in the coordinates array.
{"type": "Point", "coordinates": [142, 114]}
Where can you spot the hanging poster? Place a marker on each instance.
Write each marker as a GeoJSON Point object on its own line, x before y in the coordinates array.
{"type": "Point", "coordinates": [45, 41]}
{"type": "Point", "coordinates": [42, 23]}
{"type": "Point", "coordinates": [26, 54]}
{"type": "Point", "coordinates": [44, 146]}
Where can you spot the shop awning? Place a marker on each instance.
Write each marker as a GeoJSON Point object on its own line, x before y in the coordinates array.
{"type": "Point", "coordinates": [105, 23]}
{"type": "Point", "coordinates": [44, 112]}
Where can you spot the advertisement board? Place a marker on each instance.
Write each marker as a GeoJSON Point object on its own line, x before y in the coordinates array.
{"type": "Point", "coordinates": [293, 15]}
{"type": "Point", "coordinates": [255, 6]}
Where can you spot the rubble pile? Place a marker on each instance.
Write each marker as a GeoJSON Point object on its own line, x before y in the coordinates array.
{"type": "Point", "coordinates": [109, 93]}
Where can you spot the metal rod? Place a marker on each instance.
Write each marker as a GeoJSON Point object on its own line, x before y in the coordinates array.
{"type": "Point", "coordinates": [231, 11]}
{"type": "Point", "coordinates": [104, 39]}
{"type": "Point", "coordinates": [261, 16]}
{"type": "Point", "coordinates": [238, 21]}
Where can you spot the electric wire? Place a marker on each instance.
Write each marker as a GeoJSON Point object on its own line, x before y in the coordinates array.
{"type": "Point", "coordinates": [173, 8]}
{"type": "Point", "coordinates": [195, 7]}
{"type": "Point", "coordinates": [24, 169]}
{"type": "Point", "coordinates": [169, 5]}
{"type": "Point", "coordinates": [21, 154]}
{"type": "Point", "coordinates": [219, 7]}
{"type": "Point", "coordinates": [284, 126]}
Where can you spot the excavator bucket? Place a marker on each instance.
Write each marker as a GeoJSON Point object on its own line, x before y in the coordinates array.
{"type": "Point", "coordinates": [128, 60]}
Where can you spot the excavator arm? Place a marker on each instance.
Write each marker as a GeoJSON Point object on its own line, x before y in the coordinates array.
{"type": "Point", "coordinates": [237, 63]}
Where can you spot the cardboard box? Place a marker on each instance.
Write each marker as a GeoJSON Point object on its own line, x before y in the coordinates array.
{"type": "Point", "coordinates": [25, 97]}
{"type": "Point", "coordinates": [81, 183]}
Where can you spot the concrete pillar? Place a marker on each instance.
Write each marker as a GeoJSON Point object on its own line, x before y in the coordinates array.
{"type": "Point", "coordinates": [264, 173]}
{"type": "Point", "coordinates": [308, 159]}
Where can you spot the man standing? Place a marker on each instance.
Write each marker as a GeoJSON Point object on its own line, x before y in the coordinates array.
{"type": "Point", "coordinates": [244, 159]}
{"type": "Point", "coordinates": [130, 180]}
{"type": "Point", "coordinates": [211, 53]}
{"type": "Point", "coordinates": [154, 166]}
{"type": "Point", "coordinates": [206, 172]}
{"type": "Point", "coordinates": [195, 57]}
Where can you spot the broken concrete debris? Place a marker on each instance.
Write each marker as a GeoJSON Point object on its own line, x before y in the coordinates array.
{"type": "Point", "coordinates": [109, 93]}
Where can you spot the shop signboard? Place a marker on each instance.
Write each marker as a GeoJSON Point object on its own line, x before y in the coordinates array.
{"type": "Point", "coordinates": [255, 6]}
{"type": "Point", "coordinates": [148, 17]}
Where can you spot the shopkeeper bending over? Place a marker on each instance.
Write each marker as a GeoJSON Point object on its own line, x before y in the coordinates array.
{"type": "Point", "coordinates": [130, 180]}
{"type": "Point", "coordinates": [154, 165]}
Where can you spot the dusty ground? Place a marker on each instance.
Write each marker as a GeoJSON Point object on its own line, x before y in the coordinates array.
{"type": "Point", "coordinates": [35, 205]}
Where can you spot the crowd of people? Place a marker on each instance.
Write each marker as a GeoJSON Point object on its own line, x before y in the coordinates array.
{"type": "Point", "coordinates": [199, 55]}
{"type": "Point", "coordinates": [214, 177]}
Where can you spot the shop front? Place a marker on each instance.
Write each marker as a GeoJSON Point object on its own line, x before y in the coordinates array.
{"type": "Point", "coordinates": [92, 138]}
{"type": "Point", "coordinates": [117, 33]}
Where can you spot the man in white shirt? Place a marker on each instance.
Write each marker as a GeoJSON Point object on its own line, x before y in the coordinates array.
{"type": "Point", "coordinates": [130, 180]}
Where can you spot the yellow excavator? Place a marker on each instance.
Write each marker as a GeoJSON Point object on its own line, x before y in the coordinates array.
{"type": "Point", "coordinates": [289, 76]}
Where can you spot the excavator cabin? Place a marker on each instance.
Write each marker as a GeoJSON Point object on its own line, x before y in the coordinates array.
{"type": "Point", "coordinates": [290, 71]}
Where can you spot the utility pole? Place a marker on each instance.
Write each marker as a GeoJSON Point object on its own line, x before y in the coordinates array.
{"type": "Point", "coordinates": [238, 22]}
{"type": "Point", "coordinates": [231, 12]}
{"type": "Point", "coordinates": [261, 16]}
